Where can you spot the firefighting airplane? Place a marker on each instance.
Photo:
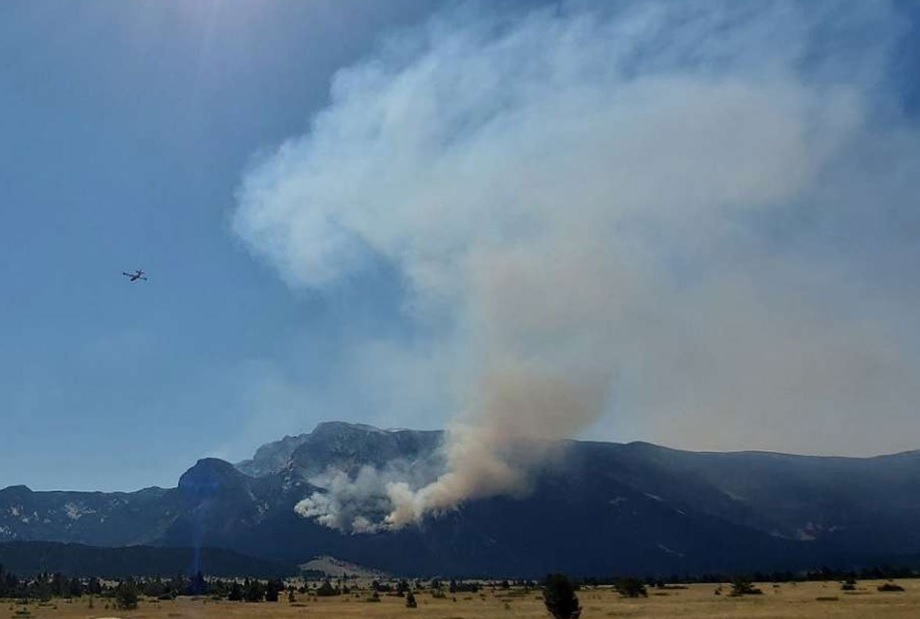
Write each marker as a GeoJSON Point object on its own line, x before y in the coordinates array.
{"type": "Point", "coordinates": [138, 274]}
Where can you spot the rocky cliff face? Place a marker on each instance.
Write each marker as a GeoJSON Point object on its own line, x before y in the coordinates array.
{"type": "Point", "coordinates": [343, 446]}
{"type": "Point", "coordinates": [272, 457]}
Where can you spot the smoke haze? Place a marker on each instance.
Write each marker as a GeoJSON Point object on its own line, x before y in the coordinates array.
{"type": "Point", "coordinates": [645, 212]}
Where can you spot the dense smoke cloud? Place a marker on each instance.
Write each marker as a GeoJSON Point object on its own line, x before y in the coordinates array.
{"type": "Point", "coordinates": [356, 503]}
{"type": "Point", "coordinates": [632, 210]}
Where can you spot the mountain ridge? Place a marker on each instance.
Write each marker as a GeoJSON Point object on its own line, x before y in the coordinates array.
{"type": "Point", "coordinates": [599, 508]}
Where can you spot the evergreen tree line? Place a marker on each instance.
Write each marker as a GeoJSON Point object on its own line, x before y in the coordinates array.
{"type": "Point", "coordinates": [45, 586]}
{"type": "Point", "coordinates": [126, 592]}
{"type": "Point", "coordinates": [882, 572]}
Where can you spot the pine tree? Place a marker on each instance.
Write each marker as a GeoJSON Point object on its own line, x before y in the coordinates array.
{"type": "Point", "coordinates": [273, 589]}
{"type": "Point", "coordinates": [559, 597]}
{"type": "Point", "coordinates": [75, 587]}
{"type": "Point", "coordinates": [236, 593]}
{"type": "Point", "coordinates": [254, 591]}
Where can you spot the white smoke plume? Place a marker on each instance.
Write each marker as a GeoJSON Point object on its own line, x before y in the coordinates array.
{"type": "Point", "coordinates": [631, 209]}
{"type": "Point", "coordinates": [360, 502]}
{"type": "Point", "coordinates": [346, 501]}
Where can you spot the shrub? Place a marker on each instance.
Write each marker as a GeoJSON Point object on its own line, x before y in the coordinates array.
{"type": "Point", "coordinates": [890, 586]}
{"type": "Point", "coordinates": [743, 586]}
{"type": "Point", "coordinates": [126, 595]}
{"type": "Point", "coordinates": [327, 590]}
{"type": "Point", "coordinates": [630, 588]}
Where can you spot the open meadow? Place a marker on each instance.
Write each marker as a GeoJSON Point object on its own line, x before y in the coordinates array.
{"type": "Point", "coordinates": [812, 599]}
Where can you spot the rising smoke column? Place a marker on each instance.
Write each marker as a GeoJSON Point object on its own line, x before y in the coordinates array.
{"type": "Point", "coordinates": [584, 198]}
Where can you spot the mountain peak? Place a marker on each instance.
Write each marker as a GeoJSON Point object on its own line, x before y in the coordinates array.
{"type": "Point", "coordinates": [342, 437]}
{"type": "Point", "coordinates": [209, 476]}
{"type": "Point", "coordinates": [19, 489]}
{"type": "Point", "coordinates": [326, 427]}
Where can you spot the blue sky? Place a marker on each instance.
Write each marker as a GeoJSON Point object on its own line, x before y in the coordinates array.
{"type": "Point", "coordinates": [125, 128]}
{"type": "Point", "coordinates": [134, 134]}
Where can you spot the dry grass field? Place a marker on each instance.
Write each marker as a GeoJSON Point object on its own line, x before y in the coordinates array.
{"type": "Point", "coordinates": [698, 601]}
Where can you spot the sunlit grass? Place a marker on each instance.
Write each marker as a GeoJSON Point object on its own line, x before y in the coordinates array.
{"type": "Point", "coordinates": [697, 601]}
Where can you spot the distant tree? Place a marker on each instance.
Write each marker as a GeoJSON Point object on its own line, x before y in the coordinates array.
{"type": "Point", "coordinates": [458, 586]}
{"type": "Point", "coordinates": [327, 590]}
{"type": "Point", "coordinates": [410, 600]}
{"type": "Point", "coordinates": [218, 588]}
{"type": "Point", "coordinates": [630, 587]}
{"type": "Point", "coordinates": [60, 586]}
{"type": "Point", "coordinates": [273, 589]}
{"type": "Point", "coordinates": [42, 588]}
{"type": "Point", "coordinates": [75, 588]}
{"type": "Point", "coordinates": [197, 585]}
{"type": "Point", "coordinates": [848, 585]}
{"type": "Point", "coordinates": [559, 597]}
{"type": "Point", "coordinates": [291, 597]}
{"type": "Point", "coordinates": [153, 587]}
{"type": "Point", "coordinates": [178, 585]}
{"type": "Point", "coordinates": [94, 587]}
{"type": "Point", "coordinates": [253, 591]}
{"type": "Point", "coordinates": [742, 585]}
{"type": "Point", "coordinates": [126, 595]}
{"type": "Point", "coordinates": [236, 593]}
